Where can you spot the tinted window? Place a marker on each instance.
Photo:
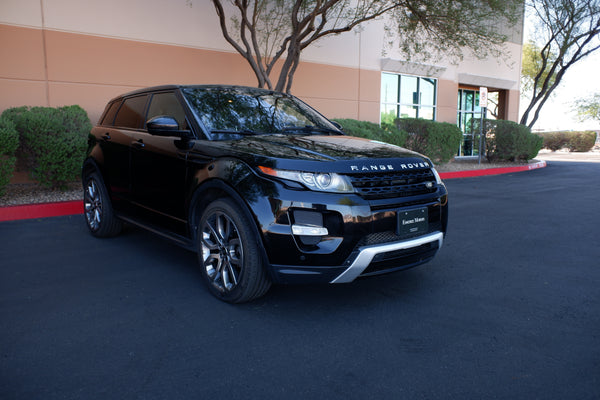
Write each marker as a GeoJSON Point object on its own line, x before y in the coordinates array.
{"type": "Point", "coordinates": [131, 113]}
{"type": "Point", "coordinates": [238, 110]}
{"type": "Point", "coordinates": [109, 117]}
{"type": "Point", "coordinates": [167, 104]}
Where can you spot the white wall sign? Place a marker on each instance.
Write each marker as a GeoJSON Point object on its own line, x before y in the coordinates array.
{"type": "Point", "coordinates": [483, 96]}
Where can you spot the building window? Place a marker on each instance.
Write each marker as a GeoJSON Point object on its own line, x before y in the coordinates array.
{"type": "Point", "coordinates": [405, 96]}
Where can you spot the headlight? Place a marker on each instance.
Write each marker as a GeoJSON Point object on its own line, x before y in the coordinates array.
{"type": "Point", "coordinates": [438, 180]}
{"type": "Point", "coordinates": [323, 182]}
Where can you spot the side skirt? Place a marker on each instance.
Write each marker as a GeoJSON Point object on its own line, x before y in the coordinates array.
{"type": "Point", "coordinates": [182, 241]}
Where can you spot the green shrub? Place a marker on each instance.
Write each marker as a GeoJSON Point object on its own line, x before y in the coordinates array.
{"type": "Point", "coordinates": [52, 142]}
{"type": "Point", "coordinates": [509, 141]}
{"type": "Point", "coordinates": [437, 140]}
{"type": "Point", "coordinates": [555, 140]}
{"type": "Point", "coordinates": [581, 141]}
{"type": "Point", "coordinates": [574, 141]}
{"type": "Point", "coordinates": [9, 141]}
{"type": "Point", "coordinates": [385, 133]}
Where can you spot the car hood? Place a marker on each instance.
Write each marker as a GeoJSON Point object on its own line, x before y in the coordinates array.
{"type": "Point", "coordinates": [318, 153]}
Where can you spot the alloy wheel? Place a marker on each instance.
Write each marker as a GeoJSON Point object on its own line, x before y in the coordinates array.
{"type": "Point", "coordinates": [93, 205]}
{"type": "Point", "coordinates": [222, 251]}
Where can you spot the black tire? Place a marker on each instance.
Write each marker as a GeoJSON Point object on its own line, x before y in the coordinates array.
{"type": "Point", "coordinates": [229, 254]}
{"type": "Point", "coordinates": [97, 208]}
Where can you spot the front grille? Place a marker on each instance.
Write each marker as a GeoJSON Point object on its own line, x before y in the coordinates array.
{"type": "Point", "coordinates": [394, 184]}
{"type": "Point", "coordinates": [390, 236]}
{"type": "Point", "coordinates": [379, 238]}
{"type": "Point", "coordinates": [401, 259]}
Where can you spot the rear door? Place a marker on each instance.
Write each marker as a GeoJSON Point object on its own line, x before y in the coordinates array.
{"type": "Point", "coordinates": [123, 118]}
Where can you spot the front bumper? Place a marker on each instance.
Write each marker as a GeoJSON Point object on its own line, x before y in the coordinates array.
{"type": "Point", "coordinates": [366, 255]}
{"type": "Point", "coordinates": [359, 237]}
{"type": "Point", "coordinates": [366, 261]}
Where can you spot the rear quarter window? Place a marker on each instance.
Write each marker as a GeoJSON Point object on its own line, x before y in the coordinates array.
{"type": "Point", "coordinates": [111, 111]}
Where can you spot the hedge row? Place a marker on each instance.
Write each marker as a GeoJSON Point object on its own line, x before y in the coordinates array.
{"type": "Point", "coordinates": [369, 130]}
{"type": "Point", "coordinates": [505, 140]}
{"type": "Point", "coordinates": [437, 140]}
{"type": "Point", "coordinates": [509, 141]}
{"type": "Point", "coordinates": [9, 141]}
{"type": "Point", "coordinates": [52, 142]}
{"type": "Point", "coordinates": [574, 141]}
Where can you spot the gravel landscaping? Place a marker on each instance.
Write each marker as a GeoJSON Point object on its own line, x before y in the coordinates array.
{"type": "Point", "coordinates": [31, 193]}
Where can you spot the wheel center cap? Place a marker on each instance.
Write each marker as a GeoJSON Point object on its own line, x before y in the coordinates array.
{"type": "Point", "coordinates": [223, 252]}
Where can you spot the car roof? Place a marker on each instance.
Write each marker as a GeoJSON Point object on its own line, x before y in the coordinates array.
{"type": "Point", "coordinates": [213, 86]}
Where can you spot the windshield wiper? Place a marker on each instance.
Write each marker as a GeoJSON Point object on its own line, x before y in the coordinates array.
{"type": "Point", "coordinates": [311, 129]}
{"type": "Point", "coordinates": [245, 132]}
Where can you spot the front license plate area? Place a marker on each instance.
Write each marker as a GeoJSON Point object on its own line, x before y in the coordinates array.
{"type": "Point", "coordinates": [412, 222]}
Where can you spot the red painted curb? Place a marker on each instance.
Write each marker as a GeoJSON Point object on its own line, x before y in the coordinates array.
{"type": "Point", "coordinates": [491, 171]}
{"type": "Point", "coordinates": [44, 210]}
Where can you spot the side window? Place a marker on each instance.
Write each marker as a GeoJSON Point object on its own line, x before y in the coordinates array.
{"type": "Point", "coordinates": [109, 116]}
{"type": "Point", "coordinates": [131, 112]}
{"type": "Point", "coordinates": [167, 104]}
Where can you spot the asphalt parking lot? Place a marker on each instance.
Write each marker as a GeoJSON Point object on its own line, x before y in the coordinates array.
{"type": "Point", "coordinates": [509, 309]}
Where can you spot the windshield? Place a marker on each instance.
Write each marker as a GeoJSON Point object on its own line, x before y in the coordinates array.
{"type": "Point", "coordinates": [248, 111]}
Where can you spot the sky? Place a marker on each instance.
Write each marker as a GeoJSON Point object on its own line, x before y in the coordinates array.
{"type": "Point", "coordinates": [580, 81]}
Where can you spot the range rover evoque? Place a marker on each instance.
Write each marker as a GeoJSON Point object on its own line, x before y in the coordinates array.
{"type": "Point", "coordinates": [263, 187]}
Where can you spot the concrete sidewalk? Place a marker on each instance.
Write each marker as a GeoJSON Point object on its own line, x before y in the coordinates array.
{"type": "Point", "coordinates": [561, 155]}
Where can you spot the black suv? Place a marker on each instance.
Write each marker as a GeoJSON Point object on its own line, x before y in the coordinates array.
{"type": "Point", "coordinates": [260, 185]}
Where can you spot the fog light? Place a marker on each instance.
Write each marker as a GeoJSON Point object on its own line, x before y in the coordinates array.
{"type": "Point", "coordinates": [308, 230]}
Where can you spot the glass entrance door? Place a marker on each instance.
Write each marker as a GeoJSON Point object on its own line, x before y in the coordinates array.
{"type": "Point", "coordinates": [468, 109]}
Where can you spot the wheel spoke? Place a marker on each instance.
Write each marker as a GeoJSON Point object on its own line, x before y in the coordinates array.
{"type": "Point", "coordinates": [223, 227]}
{"type": "Point", "coordinates": [213, 232]}
{"type": "Point", "coordinates": [92, 190]}
{"type": "Point", "coordinates": [206, 240]}
{"type": "Point", "coordinates": [232, 274]}
{"type": "Point", "coordinates": [236, 252]}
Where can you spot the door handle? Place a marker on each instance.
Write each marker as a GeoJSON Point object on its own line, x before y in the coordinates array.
{"type": "Point", "coordinates": [139, 144]}
{"type": "Point", "coordinates": [106, 137]}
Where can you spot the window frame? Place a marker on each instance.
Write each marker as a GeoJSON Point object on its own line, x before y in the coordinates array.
{"type": "Point", "coordinates": [418, 106]}
{"type": "Point", "coordinates": [141, 121]}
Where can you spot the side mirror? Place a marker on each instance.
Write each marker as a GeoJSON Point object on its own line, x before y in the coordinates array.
{"type": "Point", "coordinates": [165, 125]}
{"type": "Point", "coordinates": [337, 125]}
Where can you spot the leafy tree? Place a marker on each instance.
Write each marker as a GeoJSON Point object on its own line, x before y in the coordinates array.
{"type": "Point", "coordinates": [271, 34]}
{"type": "Point", "coordinates": [531, 65]}
{"type": "Point", "coordinates": [566, 31]}
{"type": "Point", "coordinates": [588, 108]}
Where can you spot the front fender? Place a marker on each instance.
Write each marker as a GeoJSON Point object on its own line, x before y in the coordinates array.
{"type": "Point", "coordinates": [235, 179]}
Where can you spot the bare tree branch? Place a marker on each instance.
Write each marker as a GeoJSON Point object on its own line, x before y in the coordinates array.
{"type": "Point", "coordinates": [273, 33]}
{"type": "Point", "coordinates": [571, 30]}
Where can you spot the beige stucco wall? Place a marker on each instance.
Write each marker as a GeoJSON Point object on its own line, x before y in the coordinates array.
{"type": "Point", "coordinates": [88, 70]}
{"type": "Point", "coordinates": [58, 52]}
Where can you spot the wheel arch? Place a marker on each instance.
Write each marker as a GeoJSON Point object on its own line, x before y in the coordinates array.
{"type": "Point", "coordinates": [89, 166]}
{"type": "Point", "coordinates": [215, 189]}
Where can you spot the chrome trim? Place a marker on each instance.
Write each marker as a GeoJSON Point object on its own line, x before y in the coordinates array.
{"type": "Point", "coordinates": [366, 254]}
